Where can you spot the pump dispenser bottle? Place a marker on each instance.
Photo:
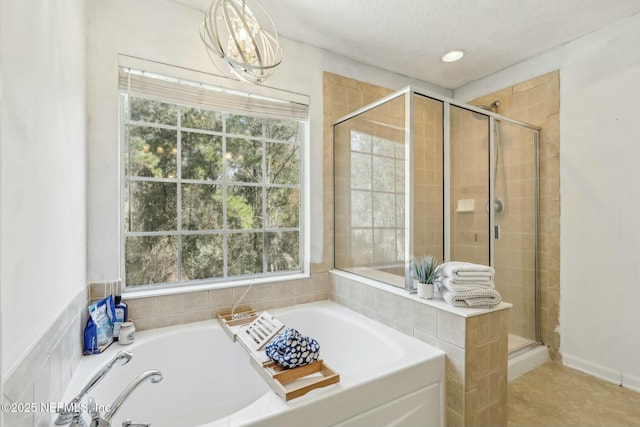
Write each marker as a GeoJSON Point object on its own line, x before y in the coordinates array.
{"type": "Point", "coordinates": [121, 310]}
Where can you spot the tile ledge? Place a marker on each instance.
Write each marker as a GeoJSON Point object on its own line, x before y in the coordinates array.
{"type": "Point", "coordinates": [437, 303]}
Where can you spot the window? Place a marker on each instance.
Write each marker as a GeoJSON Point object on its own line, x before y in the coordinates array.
{"type": "Point", "coordinates": [377, 202]}
{"type": "Point", "coordinates": [210, 192]}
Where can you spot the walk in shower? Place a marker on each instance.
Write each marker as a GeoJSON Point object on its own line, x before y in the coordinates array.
{"type": "Point", "coordinates": [418, 174]}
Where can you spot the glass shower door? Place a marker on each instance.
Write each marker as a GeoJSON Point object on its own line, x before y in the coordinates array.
{"type": "Point", "coordinates": [515, 177]}
{"type": "Point", "coordinates": [469, 187]}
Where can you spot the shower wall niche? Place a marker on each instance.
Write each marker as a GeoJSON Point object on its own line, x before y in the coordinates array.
{"type": "Point", "coordinates": [414, 173]}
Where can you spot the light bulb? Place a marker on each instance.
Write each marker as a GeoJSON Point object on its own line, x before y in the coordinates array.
{"type": "Point", "coordinates": [453, 55]}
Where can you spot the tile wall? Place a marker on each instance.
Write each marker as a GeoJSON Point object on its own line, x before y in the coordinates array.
{"type": "Point", "coordinates": [168, 310]}
{"type": "Point", "coordinates": [340, 95]}
{"type": "Point", "coordinates": [428, 200]}
{"type": "Point", "coordinates": [45, 372]}
{"type": "Point", "coordinates": [469, 179]}
{"type": "Point", "coordinates": [476, 346]}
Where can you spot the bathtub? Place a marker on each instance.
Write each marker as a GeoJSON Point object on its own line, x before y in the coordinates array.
{"type": "Point", "coordinates": [386, 378]}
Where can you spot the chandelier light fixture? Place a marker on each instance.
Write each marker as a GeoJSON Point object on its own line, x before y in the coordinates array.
{"type": "Point", "coordinates": [243, 35]}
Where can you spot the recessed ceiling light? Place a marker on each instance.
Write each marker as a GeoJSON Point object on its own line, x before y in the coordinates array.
{"type": "Point", "coordinates": [453, 55]}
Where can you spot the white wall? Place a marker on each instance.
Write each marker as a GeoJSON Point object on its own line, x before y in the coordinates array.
{"type": "Point", "coordinates": [42, 167]}
{"type": "Point", "coordinates": [167, 32]}
{"type": "Point", "coordinates": [600, 201]}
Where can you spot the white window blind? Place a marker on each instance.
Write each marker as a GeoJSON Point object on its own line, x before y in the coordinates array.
{"type": "Point", "coordinates": [201, 95]}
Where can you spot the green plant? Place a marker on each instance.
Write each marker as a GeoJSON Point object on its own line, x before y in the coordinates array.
{"type": "Point", "coordinates": [427, 269]}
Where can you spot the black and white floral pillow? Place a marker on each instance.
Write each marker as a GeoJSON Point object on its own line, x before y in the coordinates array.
{"type": "Point", "coordinates": [290, 349]}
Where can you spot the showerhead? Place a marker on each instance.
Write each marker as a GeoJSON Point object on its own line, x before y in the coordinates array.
{"type": "Point", "coordinates": [492, 107]}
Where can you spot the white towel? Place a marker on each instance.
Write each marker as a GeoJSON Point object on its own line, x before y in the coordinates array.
{"type": "Point", "coordinates": [467, 279]}
{"type": "Point", "coordinates": [459, 269]}
{"type": "Point", "coordinates": [477, 298]}
{"type": "Point", "coordinates": [462, 285]}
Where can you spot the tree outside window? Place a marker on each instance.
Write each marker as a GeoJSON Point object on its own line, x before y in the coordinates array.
{"type": "Point", "coordinates": [208, 195]}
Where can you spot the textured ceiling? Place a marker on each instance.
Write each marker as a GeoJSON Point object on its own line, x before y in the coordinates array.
{"type": "Point", "coordinates": [410, 36]}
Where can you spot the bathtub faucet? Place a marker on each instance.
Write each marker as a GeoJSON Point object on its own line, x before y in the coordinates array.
{"type": "Point", "coordinates": [98, 420]}
{"type": "Point", "coordinates": [129, 423]}
{"type": "Point", "coordinates": [71, 412]}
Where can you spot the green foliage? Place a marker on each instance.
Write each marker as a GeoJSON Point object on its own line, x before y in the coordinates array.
{"type": "Point", "coordinates": [202, 207]}
{"type": "Point", "coordinates": [150, 206]}
{"type": "Point", "coordinates": [151, 260]}
{"type": "Point", "coordinates": [279, 202]}
{"type": "Point", "coordinates": [202, 256]}
{"type": "Point", "coordinates": [244, 125]}
{"type": "Point", "coordinates": [427, 269]}
{"type": "Point", "coordinates": [283, 251]}
{"type": "Point", "coordinates": [239, 213]}
{"type": "Point", "coordinates": [151, 111]}
{"type": "Point", "coordinates": [257, 151]}
{"type": "Point", "coordinates": [152, 152]}
{"type": "Point", "coordinates": [197, 118]}
{"type": "Point", "coordinates": [283, 163]}
{"type": "Point", "coordinates": [283, 130]}
{"type": "Point", "coordinates": [244, 160]}
{"type": "Point", "coordinates": [245, 253]}
{"type": "Point", "coordinates": [201, 156]}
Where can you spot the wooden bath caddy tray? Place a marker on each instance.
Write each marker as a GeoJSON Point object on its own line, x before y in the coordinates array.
{"type": "Point", "coordinates": [296, 382]}
{"type": "Point", "coordinates": [254, 331]}
{"type": "Point", "coordinates": [230, 325]}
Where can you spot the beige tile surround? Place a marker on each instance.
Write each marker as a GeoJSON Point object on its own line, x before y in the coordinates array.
{"type": "Point", "coordinates": [468, 402]}
{"type": "Point", "coordinates": [476, 346]}
{"type": "Point", "coordinates": [537, 101]}
{"type": "Point", "coordinates": [167, 310]}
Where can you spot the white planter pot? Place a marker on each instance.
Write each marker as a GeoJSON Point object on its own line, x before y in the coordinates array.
{"type": "Point", "coordinates": [425, 290]}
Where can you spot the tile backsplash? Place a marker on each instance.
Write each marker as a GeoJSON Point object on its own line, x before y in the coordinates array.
{"type": "Point", "coordinates": [45, 372]}
{"type": "Point", "coordinates": [167, 310]}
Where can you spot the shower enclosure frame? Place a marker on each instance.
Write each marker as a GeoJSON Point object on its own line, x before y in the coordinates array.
{"type": "Point", "coordinates": [409, 92]}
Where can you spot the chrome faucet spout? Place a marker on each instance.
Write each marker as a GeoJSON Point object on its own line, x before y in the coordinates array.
{"type": "Point", "coordinates": [154, 376]}
{"type": "Point", "coordinates": [123, 357]}
{"type": "Point", "coordinates": [67, 415]}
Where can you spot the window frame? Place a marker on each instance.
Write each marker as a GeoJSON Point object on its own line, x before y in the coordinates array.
{"type": "Point", "coordinates": [225, 281]}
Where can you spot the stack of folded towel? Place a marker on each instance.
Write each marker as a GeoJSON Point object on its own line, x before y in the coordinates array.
{"type": "Point", "coordinates": [464, 284]}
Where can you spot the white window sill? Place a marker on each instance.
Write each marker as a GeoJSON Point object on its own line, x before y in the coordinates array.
{"type": "Point", "coordinates": [174, 290]}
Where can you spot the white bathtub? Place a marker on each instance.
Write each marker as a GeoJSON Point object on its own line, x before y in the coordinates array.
{"type": "Point", "coordinates": [386, 378]}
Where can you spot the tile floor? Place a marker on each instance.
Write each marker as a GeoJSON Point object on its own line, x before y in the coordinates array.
{"type": "Point", "coordinates": [554, 395]}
